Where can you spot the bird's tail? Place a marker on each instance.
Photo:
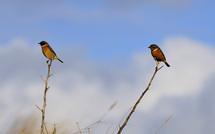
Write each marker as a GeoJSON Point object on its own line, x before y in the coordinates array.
{"type": "Point", "coordinates": [60, 60]}
{"type": "Point", "coordinates": [167, 64]}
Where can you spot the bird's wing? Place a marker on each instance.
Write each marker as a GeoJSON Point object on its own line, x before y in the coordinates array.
{"type": "Point", "coordinates": [51, 50]}
{"type": "Point", "coordinates": [163, 54]}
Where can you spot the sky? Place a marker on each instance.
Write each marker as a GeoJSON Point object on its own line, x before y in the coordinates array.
{"type": "Point", "coordinates": [104, 46]}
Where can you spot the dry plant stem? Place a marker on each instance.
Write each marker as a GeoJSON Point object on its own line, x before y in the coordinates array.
{"type": "Point", "coordinates": [79, 128]}
{"type": "Point", "coordinates": [97, 123]}
{"type": "Point", "coordinates": [163, 124]}
{"type": "Point", "coordinates": [44, 98]}
{"type": "Point", "coordinates": [88, 130]}
{"type": "Point", "coordinates": [109, 128]}
{"type": "Point", "coordinates": [138, 101]}
{"type": "Point", "coordinates": [54, 131]}
{"type": "Point", "coordinates": [46, 129]}
{"type": "Point", "coordinates": [122, 120]}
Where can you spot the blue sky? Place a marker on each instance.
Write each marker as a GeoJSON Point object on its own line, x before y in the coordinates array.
{"type": "Point", "coordinates": [121, 28]}
{"type": "Point", "coordinates": [104, 48]}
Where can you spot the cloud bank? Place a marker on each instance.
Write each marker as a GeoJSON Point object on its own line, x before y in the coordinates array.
{"type": "Point", "coordinates": [82, 90]}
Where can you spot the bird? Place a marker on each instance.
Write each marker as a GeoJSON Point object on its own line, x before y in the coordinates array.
{"type": "Point", "coordinates": [48, 51]}
{"type": "Point", "coordinates": [158, 54]}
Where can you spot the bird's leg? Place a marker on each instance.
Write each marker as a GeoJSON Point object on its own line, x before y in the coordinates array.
{"type": "Point", "coordinates": [157, 64]}
{"type": "Point", "coordinates": [47, 61]}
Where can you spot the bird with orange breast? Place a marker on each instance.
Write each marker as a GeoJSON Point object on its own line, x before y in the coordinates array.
{"type": "Point", "coordinates": [48, 51]}
{"type": "Point", "coordinates": [158, 54]}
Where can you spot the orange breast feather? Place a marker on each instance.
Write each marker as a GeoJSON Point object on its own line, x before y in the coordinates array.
{"type": "Point", "coordinates": [158, 55]}
{"type": "Point", "coordinates": [48, 53]}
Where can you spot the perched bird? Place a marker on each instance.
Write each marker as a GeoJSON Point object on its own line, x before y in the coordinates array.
{"type": "Point", "coordinates": [48, 51]}
{"type": "Point", "coordinates": [158, 54]}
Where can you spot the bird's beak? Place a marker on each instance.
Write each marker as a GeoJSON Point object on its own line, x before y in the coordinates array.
{"type": "Point", "coordinates": [149, 47]}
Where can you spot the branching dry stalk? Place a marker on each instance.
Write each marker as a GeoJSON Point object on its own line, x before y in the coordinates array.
{"type": "Point", "coordinates": [44, 97]}
{"type": "Point", "coordinates": [138, 101]}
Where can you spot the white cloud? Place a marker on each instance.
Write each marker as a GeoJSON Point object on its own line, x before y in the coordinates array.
{"type": "Point", "coordinates": [83, 91]}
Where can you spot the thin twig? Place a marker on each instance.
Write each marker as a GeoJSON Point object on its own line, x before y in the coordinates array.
{"type": "Point", "coordinates": [163, 124]}
{"type": "Point", "coordinates": [99, 121]}
{"type": "Point", "coordinates": [138, 101]}
{"type": "Point", "coordinates": [42, 78]}
{"type": "Point", "coordinates": [109, 128]}
{"type": "Point", "coordinates": [92, 124]}
{"type": "Point", "coordinates": [88, 130]}
{"type": "Point", "coordinates": [52, 74]}
{"type": "Point", "coordinates": [84, 129]}
{"type": "Point", "coordinates": [122, 120]}
{"type": "Point", "coordinates": [54, 131]}
{"type": "Point", "coordinates": [38, 108]}
{"type": "Point", "coordinates": [110, 108]}
{"type": "Point", "coordinates": [79, 128]}
{"type": "Point", "coordinates": [46, 129]}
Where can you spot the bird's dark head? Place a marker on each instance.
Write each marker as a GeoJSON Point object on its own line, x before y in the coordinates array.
{"type": "Point", "coordinates": [153, 46]}
{"type": "Point", "coordinates": [42, 43]}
